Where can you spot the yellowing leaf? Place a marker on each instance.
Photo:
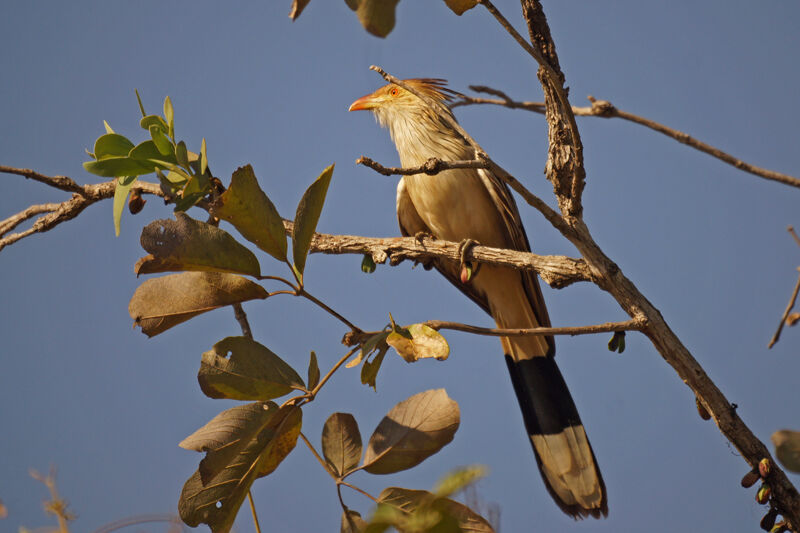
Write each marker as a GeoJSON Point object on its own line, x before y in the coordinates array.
{"type": "Point", "coordinates": [161, 303]}
{"type": "Point", "coordinates": [460, 6]}
{"type": "Point", "coordinates": [425, 342]}
{"type": "Point", "coordinates": [189, 244]}
{"type": "Point", "coordinates": [377, 16]}
{"type": "Point", "coordinates": [412, 431]}
{"type": "Point", "coordinates": [297, 7]}
{"type": "Point", "coordinates": [246, 206]}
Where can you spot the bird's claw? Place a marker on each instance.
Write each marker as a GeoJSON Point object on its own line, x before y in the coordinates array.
{"type": "Point", "coordinates": [422, 235]}
{"type": "Point", "coordinates": [467, 269]}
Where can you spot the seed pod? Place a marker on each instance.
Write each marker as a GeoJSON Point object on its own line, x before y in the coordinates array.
{"type": "Point", "coordinates": [367, 264]}
{"type": "Point", "coordinates": [763, 494]}
{"type": "Point", "coordinates": [764, 467]}
{"type": "Point", "coordinates": [136, 202]}
{"type": "Point", "coordinates": [769, 519]}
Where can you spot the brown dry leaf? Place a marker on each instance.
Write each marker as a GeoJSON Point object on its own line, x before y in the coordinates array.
{"type": "Point", "coordinates": [412, 431]}
{"type": "Point", "coordinates": [787, 448]}
{"type": "Point", "coordinates": [161, 303]}
{"type": "Point", "coordinates": [377, 16]}
{"type": "Point", "coordinates": [460, 6]}
{"type": "Point", "coordinates": [341, 443]}
{"type": "Point", "coordinates": [297, 7]}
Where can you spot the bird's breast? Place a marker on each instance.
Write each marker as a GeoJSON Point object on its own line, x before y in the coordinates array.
{"type": "Point", "coordinates": [455, 205]}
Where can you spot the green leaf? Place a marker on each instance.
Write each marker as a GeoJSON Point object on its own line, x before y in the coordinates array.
{"type": "Point", "coordinates": [162, 142]}
{"type": "Point", "coordinates": [139, 99]}
{"type": "Point", "coordinates": [377, 16]}
{"type": "Point", "coordinates": [111, 145]}
{"type": "Point", "coordinates": [169, 115]}
{"type": "Point", "coordinates": [239, 368]}
{"type": "Point", "coordinates": [153, 120]}
{"type": "Point", "coordinates": [368, 264]}
{"type": "Point", "coordinates": [341, 443]}
{"type": "Point", "coordinates": [307, 216]}
{"type": "Point", "coordinates": [460, 6]}
{"type": "Point", "coordinates": [425, 342]}
{"type": "Point", "coordinates": [246, 206]}
{"type": "Point", "coordinates": [121, 191]}
{"type": "Point", "coordinates": [458, 479]}
{"type": "Point", "coordinates": [148, 154]}
{"type": "Point", "coordinates": [161, 303]}
{"type": "Point", "coordinates": [412, 431]}
{"type": "Point", "coordinates": [313, 371]}
{"type": "Point", "coordinates": [216, 502]}
{"type": "Point", "coordinates": [352, 522]}
{"type": "Point", "coordinates": [107, 127]}
{"type": "Point", "coordinates": [187, 244]}
{"type": "Point", "coordinates": [787, 448]}
{"type": "Point", "coordinates": [420, 510]}
{"type": "Point", "coordinates": [111, 167]}
{"type": "Point", "coordinates": [182, 155]}
{"type": "Point", "coordinates": [203, 157]}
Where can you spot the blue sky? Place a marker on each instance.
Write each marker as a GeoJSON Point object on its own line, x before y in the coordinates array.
{"type": "Point", "coordinates": [704, 242]}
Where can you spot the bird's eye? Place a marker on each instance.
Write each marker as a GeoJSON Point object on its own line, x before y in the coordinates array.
{"type": "Point", "coordinates": [394, 91]}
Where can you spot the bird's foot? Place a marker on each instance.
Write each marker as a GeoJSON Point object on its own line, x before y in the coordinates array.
{"type": "Point", "coordinates": [420, 236]}
{"type": "Point", "coordinates": [468, 269]}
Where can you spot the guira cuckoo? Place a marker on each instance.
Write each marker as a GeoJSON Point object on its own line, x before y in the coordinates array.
{"type": "Point", "coordinates": [460, 204]}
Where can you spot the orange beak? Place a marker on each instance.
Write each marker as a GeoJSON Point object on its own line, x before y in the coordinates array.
{"type": "Point", "coordinates": [364, 103]}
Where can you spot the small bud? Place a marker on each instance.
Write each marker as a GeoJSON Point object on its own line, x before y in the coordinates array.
{"type": "Point", "coordinates": [613, 343]}
{"type": "Point", "coordinates": [136, 202]}
{"type": "Point", "coordinates": [763, 494]}
{"type": "Point", "coordinates": [769, 519]}
{"type": "Point", "coordinates": [764, 467]}
{"type": "Point", "coordinates": [466, 273]}
{"type": "Point", "coordinates": [780, 527]}
{"type": "Point", "coordinates": [750, 479]}
{"type": "Point", "coordinates": [367, 264]}
{"type": "Point", "coordinates": [617, 342]}
{"type": "Point", "coordinates": [701, 410]}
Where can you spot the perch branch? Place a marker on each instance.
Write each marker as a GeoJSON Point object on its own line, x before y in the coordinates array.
{"type": "Point", "coordinates": [635, 324]}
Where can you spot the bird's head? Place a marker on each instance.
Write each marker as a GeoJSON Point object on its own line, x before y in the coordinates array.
{"type": "Point", "coordinates": [415, 127]}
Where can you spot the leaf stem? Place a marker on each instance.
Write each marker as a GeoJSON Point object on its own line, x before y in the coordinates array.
{"type": "Point", "coordinates": [317, 455]}
{"type": "Point", "coordinates": [365, 493]}
{"type": "Point", "coordinates": [253, 510]}
{"type": "Point", "coordinates": [339, 363]}
{"type": "Point", "coordinates": [308, 296]}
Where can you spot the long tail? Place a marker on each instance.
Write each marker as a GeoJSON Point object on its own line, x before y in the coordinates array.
{"type": "Point", "coordinates": [562, 451]}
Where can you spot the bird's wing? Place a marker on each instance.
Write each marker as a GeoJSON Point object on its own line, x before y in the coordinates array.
{"type": "Point", "coordinates": [411, 224]}
{"type": "Point", "coordinates": [509, 213]}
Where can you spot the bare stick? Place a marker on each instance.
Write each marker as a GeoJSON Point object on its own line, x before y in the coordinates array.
{"type": "Point", "coordinates": [604, 109]}
{"type": "Point", "coordinates": [790, 229]}
{"type": "Point", "coordinates": [431, 167]}
{"type": "Point", "coordinates": [636, 324]}
{"type": "Point", "coordinates": [241, 317]}
{"type": "Point", "coordinates": [786, 312]}
{"type": "Point", "coordinates": [15, 220]}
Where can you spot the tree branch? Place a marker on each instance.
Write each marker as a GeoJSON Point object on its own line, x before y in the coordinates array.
{"type": "Point", "coordinates": [789, 307]}
{"type": "Point", "coordinates": [605, 109]}
{"type": "Point", "coordinates": [636, 324]}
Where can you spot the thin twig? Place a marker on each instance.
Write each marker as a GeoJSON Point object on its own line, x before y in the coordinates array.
{"type": "Point", "coordinates": [253, 510]}
{"type": "Point", "coordinates": [431, 167]}
{"type": "Point", "coordinates": [790, 229]}
{"type": "Point", "coordinates": [305, 294]}
{"type": "Point", "coordinates": [604, 109]}
{"type": "Point", "coordinates": [786, 312]}
{"type": "Point", "coordinates": [635, 324]}
{"type": "Point", "coordinates": [241, 317]}
{"type": "Point", "coordinates": [15, 220]}
{"type": "Point", "coordinates": [319, 458]}
{"type": "Point", "coordinates": [335, 367]}
{"type": "Point", "coordinates": [365, 493]}
{"type": "Point", "coordinates": [59, 182]}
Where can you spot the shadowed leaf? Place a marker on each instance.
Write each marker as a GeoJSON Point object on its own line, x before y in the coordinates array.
{"type": "Point", "coordinates": [297, 7]}
{"type": "Point", "coordinates": [787, 448]}
{"type": "Point", "coordinates": [239, 368]}
{"type": "Point", "coordinates": [246, 206]}
{"type": "Point", "coordinates": [341, 443]}
{"type": "Point", "coordinates": [161, 303]}
{"type": "Point", "coordinates": [216, 500]}
{"type": "Point", "coordinates": [352, 522]}
{"type": "Point", "coordinates": [313, 371]}
{"type": "Point", "coordinates": [377, 16]}
{"type": "Point", "coordinates": [460, 6]}
{"type": "Point", "coordinates": [424, 342]}
{"type": "Point", "coordinates": [307, 216]}
{"type": "Point", "coordinates": [412, 431]}
{"type": "Point", "coordinates": [121, 191]}
{"type": "Point", "coordinates": [188, 244]}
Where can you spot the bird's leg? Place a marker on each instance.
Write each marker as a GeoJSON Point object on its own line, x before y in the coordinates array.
{"type": "Point", "coordinates": [467, 269]}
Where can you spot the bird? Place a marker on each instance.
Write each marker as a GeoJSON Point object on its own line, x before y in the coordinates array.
{"type": "Point", "coordinates": [474, 205]}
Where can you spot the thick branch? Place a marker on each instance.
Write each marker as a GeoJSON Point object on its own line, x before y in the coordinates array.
{"type": "Point", "coordinates": [83, 196]}
{"type": "Point", "coordinates": [608, 276]}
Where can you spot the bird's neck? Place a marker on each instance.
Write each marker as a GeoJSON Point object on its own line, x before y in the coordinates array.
{"type": "Point", "coordinates": [419, 137]}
